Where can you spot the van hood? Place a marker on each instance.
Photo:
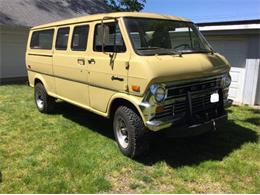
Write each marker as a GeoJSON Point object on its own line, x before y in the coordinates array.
{"type": "Point", "coordinates": [145, 70]}
{"type": "Point", "coordinates": [166, 68]}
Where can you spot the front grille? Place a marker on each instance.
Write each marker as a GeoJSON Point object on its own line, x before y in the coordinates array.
{"type": "Point", "coordinates": [177, 90]}
{"type": "Point", "coordinates": [192, 100]}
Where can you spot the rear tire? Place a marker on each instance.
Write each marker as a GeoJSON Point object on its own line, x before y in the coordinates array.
{"type": "Point", "coordinates": [43, 101]}
{"type": "Point", "coordinates": [130, 132]}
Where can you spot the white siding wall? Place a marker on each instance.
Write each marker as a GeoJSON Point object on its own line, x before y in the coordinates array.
{"type": "Point", "coordinates": [257, 101]}
{"type": "Point", "coordinates": [251, 75]}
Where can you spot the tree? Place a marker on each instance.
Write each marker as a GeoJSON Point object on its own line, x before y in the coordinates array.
{"type": "Point", "coordinates": [126, 5]}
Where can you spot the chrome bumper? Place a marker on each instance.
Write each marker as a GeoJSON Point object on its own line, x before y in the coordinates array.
{"type": "Point", "coordinates": [196, 129]}
{"type": "Point", "coordinates": [228, 103]}
{"type": "Point", "coordinates": [156, 125]}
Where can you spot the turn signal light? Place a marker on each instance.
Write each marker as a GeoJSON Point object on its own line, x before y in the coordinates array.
{"type": "Point", "coordinates": [159, 109]}
{"type": "Point", "coordinates": [136, 88]}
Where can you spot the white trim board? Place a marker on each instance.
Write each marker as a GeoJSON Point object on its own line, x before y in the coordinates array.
{"type": "Point", "coordinates": [230, 27]}
{"type": "Point", "coordinates": [251, 79]}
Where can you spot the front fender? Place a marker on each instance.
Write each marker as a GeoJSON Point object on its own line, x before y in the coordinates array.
{"type": "Point", "coordinates": [134, 100]}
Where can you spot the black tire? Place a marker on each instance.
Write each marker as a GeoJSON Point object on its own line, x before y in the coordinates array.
{"type": "Point", "coordinates": [137, 134]}
{"type": "Point", "coordinates": [47, 102]}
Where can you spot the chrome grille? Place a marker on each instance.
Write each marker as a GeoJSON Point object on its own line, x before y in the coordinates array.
{"type": "Point", "coordinates": [200, 98]}
{"type": "Point", "coordinates": [176, 90]}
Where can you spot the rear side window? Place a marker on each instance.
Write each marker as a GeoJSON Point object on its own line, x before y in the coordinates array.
{"type": "Point", "coordinates": [62, 38]}
{"type": "Point", "coordinates": [42, 39]}
{"type": "Point", "coordinates": [80, 38]}
{"type": "Point", "coordinates": [113, 40]}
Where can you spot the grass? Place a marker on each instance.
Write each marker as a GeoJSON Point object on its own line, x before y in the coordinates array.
{"type": "Point", "coordinates": [73, 151]}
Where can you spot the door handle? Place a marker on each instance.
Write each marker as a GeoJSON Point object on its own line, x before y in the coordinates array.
{"type": "Point", "coordinates": [117, 78]}
{"type": "Point", "coordinates": [81, 61]}
{"type": "Point", "coordinates": [92, 61]}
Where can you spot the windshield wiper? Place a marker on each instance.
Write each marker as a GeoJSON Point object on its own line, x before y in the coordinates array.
{"type": "Point", "coordinates": [201, 51]}
{"type": "Point", "coordinates": [161, 51]}
{"type": "Point", "coordinates": [170, 52]}
{"type": "Point", "coordinates": [149, 48]}
{"type": "Point", "coordinates": [176, 52]}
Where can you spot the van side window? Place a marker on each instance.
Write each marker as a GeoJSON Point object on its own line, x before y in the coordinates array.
{"type": "Point", "coordinates": [42, 39]}
{"type": "Point", "coordinates": [62, 38]}
{"type": "Point", "coordinates": [80, 38]}
{"type": "Point", "coordinates": [113, 40]}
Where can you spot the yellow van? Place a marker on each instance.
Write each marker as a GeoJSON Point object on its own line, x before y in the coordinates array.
{"type": "Point", "coordinates": [147, 72]}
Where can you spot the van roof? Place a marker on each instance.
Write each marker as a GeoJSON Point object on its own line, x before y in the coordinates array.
{"type": "Point", "coordinates": [95, 17]}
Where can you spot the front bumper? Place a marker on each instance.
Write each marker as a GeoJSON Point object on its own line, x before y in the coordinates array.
{"type": "Point", "coordinates": [195, 129]}
{"type": "Point", "coordinates": [164, 123]}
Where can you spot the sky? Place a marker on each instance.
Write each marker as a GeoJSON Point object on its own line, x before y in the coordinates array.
{"type": "Point", "coordinates": [207, 10]}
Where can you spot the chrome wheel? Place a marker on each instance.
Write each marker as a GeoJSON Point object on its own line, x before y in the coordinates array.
{"type": "Point", "coordinates": [39, 100]}
{"type": "Point", "coordinates": [122, 132]}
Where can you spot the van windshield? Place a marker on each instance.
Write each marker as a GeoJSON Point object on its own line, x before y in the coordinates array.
{"type": "Point", "coordinates": [164, 37]}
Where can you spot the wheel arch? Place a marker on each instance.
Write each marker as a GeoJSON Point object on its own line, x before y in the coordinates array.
{"type": "Point", "coordinates": [124, 100]}
{"type": "Point", "coordinates": [38, 78]}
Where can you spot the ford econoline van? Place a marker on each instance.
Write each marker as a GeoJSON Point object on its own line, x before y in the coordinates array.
{"type": "Point", "coordinates": [147, 72]}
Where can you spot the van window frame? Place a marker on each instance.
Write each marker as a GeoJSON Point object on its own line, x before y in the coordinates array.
{"type": "Point", "coordinates": [39, 31]}
{"type": "Point", "coordinates": [94, 38]}
{"type": "Point", "coordinates": [57, 35]}
{"type": "Point", "coordinates": [203, 39]}
{"type": "Point", "coordinates": [87, 37]}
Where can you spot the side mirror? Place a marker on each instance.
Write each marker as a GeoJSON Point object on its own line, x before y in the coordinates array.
{"type": "Point", "coordinates": [105, 32]}
{"type": "Point", "coordinates": [103, 35]}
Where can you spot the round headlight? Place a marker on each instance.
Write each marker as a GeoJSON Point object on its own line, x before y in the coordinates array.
{"type": "Point", "coordinates": [159, 92]}
{"type": "Point", "coordinates": [226, 81]}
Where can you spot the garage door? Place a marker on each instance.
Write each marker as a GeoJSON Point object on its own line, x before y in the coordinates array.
{"type": "Point", "coordinates": [235, 50]}
{"type": "Point", "coordinates": [13, 53]}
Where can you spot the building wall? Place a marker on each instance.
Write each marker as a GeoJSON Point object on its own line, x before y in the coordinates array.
{"type": "Point", "coordinates": [13, 47]}
{"type": "Point", "coordinates": [257, 101]}
{"type": "Point", "coordinates": [235, 50]}
{"type": "Point", "coordinates": [241, 48]}
{"type": "Point", "coordinates": [1, 56]}
{"type": "Point", "coordinates": [230, 47]}
{"type": "Point", "coordinates": [254, 53]}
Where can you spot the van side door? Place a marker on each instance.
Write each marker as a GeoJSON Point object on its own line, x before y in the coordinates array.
{"type": "Point", "coordinates": [69, 64]}
{"type": "Point", "coordinates": [108, 69]}
{"type": "Point", "coordinates": [39, 57]}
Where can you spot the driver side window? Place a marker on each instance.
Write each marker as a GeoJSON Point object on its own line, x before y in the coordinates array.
{"type": "Point", "coordinates": [112, 38]}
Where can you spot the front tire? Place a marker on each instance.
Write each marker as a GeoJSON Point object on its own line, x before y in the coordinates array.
{"type": "Point", "coordinates": [43, 101]}
{"type": "Point", "coordinates": [130, 132]}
